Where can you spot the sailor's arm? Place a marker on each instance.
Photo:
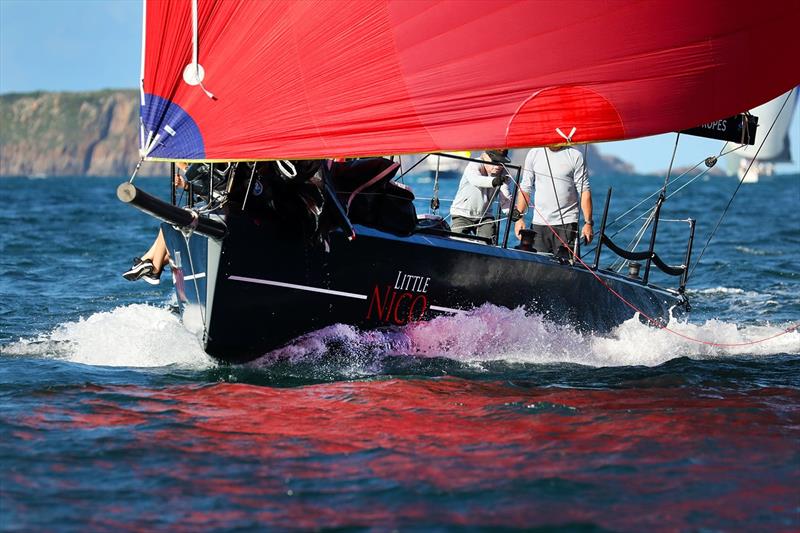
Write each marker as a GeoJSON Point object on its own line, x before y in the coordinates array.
{"type": "Point", "coordinates": [523, 201]}
{"type": "Point", "coordinates": [586, 206]}
{"type": "Point", "coordinates": [526, 184]}
{"type": "Point", "coordinates": [474, 176]}
{"type": "Point", "coordinates": [524, 194]}
{"type": "Point", "coordinates": [582, 184]}
{"type": "Point", "coordinates": [178, 180]}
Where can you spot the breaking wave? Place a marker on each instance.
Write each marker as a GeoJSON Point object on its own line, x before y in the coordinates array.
{"type": "Point", "coordinates": [492, 333]}
{"type": "Point", "coordinates": [132, 336]}
{"type": "Point", "coordinates": [146, 336]}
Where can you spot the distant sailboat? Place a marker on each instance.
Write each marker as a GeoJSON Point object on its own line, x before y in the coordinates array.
{"type": "Point", "coordinates": [776, 148]}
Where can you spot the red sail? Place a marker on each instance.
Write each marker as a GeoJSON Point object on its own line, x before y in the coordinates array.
{"type": "Point", "coordinates": [323, 78]}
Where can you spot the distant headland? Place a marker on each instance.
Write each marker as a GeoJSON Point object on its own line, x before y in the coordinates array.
{"type": "Point", "coordinates": [71, 134]}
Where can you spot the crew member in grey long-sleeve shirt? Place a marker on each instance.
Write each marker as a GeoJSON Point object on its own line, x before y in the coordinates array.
{"type": "Point", "coordinates": [556, 199]}
{"type": "Point", "coordinates": [470, 211]}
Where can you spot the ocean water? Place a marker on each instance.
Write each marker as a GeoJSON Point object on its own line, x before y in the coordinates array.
{"type": "Point", "coordinates": [112, 417]}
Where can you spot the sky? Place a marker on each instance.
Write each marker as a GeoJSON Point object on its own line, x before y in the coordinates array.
{"type": "Point", "coordinates": [84, 45]}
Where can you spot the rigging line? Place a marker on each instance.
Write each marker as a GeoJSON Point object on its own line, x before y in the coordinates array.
{"type": "Point", "coordinates": [400, 161]}
{"type": "Point", "coordinates": [679, 189]}
{"type": "Point", "coordinates": [755, 156]}
{"type": "Point", "coordinates": [657, 323]}
{"type": "Point", "coordinates": [434, 206]}
{"type": "Point", "coordinates": [412, 167]}
{"type": "Point", "coordinates": [722, 153]}
{"type": "Point", "coordinates": [641, 216]}
{"type": "Point", "coordinates": [553, 182]}
{"type": "Point", "coordinates": [662, 197]}
{"type": "Point", "coordinates": [187, 234]}
{"type": "Point", "coordinates": [249, 183]}
{"type": "Point", "coordinates": [194, 38]}
{"type": "Point", "coordinates": [488, 221]}
{"type": "Point", "coordinates": [671, 162]}
{"type": "Point", "coordinates": [494, 192]}
{"type": "Point", "coordinates": [666, 181]}
{"type": "Point", "coordinates": [649, 218]}
{"type": "Point", "coordinates": [656, 192]}
{"type": "Point", "coordinates": [626, 213]}
{"type": "Point", "coordinates": [488, 205]}
{"type": "Point", "coordinates": [136, 170]}
{"type": "Point", "coordinates": [739, 147]}
{"type": "Point", "coordinates": [651, 210]}
{"type": "Point", "coordinates": [685, 220]}
{"type": "Point", "coordinates": [620, 263]}
{"type": "Point", "coordinates": [626, 226]}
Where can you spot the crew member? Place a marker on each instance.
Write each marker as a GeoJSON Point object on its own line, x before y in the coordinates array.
{"type": "Point", "coordinates": [558, 176]}
{"type": "Point", "coordinates": [480, 185]}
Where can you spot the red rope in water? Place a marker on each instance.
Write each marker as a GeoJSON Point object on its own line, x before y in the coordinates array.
{"type": "Point", "coordinates": [653, 321]}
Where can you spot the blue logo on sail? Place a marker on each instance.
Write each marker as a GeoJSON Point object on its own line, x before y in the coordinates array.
{"type": "Point", "coordinates": [168, 132]}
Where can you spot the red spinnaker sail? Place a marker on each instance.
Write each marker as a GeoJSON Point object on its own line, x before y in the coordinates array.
{"type": "Point", "coordinates": [317, 78]}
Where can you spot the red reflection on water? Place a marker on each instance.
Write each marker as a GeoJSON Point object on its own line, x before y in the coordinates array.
{"type": "Point", "coordinates": [322, 455]}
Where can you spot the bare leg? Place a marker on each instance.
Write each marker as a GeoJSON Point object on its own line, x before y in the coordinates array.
{"type": "Point", "coordinates": [158, 253]}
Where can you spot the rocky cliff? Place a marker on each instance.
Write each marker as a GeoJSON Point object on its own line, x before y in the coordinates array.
{"type": "Point", "coordinates": [96, 134]}
{"type": "Point", "coordinates": [71, 134]}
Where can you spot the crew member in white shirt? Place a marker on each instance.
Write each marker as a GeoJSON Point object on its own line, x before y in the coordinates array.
{"type": "Point", "coordinates": [557, 176]}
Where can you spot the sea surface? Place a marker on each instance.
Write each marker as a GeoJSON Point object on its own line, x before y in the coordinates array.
{"type": "Point", "coordinates": [113, 418]}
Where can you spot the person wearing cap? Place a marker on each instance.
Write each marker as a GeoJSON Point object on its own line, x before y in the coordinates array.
{"type": "Point", "coordinates": [557, 175]}
{"type": "Point", "coordinates": [480, 184]}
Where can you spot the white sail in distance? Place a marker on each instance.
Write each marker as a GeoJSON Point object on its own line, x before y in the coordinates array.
{"type": "Point", "coordinates": [777, 147]}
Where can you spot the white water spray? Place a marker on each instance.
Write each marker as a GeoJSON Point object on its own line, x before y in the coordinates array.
{"type": "Point", "coordinates": [147, 336]}
{"type": "Point", "coordinates": [133, 336]}
{"type": "Point", "coordinates": [491, 333]}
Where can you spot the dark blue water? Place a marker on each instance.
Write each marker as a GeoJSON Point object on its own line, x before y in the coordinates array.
{"type": "Point", "coordinates": [112, 417]}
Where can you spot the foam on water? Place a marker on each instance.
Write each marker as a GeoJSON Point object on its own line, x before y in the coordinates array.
{"type": "Point", "coordinates": [146, 336]}
{"type": "Point", "coordinates": [135, 335]}
{"type": "Point", "coordinates": [756, 251]}
{"type": "Point", "coordinates": [723, 291]}
{"type": "Point", "coordinates": [492, 333]}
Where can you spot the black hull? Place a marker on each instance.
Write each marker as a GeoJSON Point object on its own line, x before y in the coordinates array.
{"type": "Point", "coordinates": [266, 288]}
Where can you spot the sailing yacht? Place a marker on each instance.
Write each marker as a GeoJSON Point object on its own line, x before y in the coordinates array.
{"type": "Point", "coordinates": [306, 104]}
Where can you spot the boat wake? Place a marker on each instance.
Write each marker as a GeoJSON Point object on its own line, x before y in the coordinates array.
{"type": "Point", "coordinates": [492, 333]}
{"type": "Point", "coordinates": [146, 336]}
